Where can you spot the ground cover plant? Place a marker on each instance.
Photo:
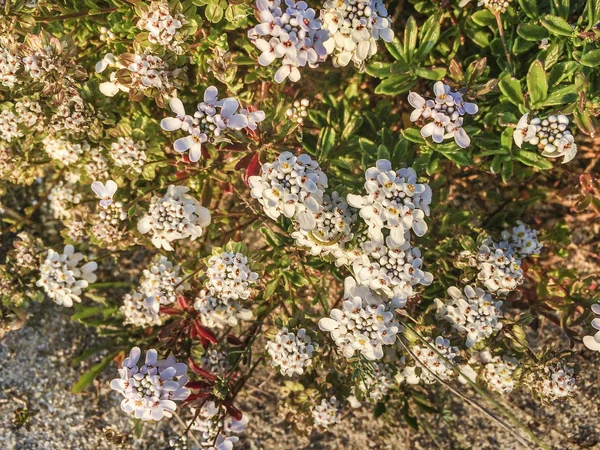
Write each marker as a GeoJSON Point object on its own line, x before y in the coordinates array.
{"type": "Point", "coordinates": [365, 199]}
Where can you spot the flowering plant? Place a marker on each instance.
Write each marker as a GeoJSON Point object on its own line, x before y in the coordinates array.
{"type": "Point", "coordinates": [357, 201]}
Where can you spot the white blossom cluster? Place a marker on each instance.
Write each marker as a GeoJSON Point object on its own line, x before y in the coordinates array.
{"type": "Point", "coordinates": [139, 310]}
{"type": "Point", "coordinates": [61, 199]}
{"type": "Point", "coordinates": [129, 153]}
{"type": "Point", "coordinates": [215, 362]}
{"type": "Point", "coordinates": [354, 27]}
{"type": "Point", "coordinates": [365, 323]}
{"type": "Point", "coordinates": [107, 228]}
{"type": "Point", "coordinates": [9, 125]}
{"type": "Point", "coordinates": [554, 381]}
{"type": "Point", "coordinates": [394, 201]}
{"type": "Point", "coordinates": [175, 216]}
{"type": "Point", "coordinates": [145, 72]}
{"type": "Point", "coordinates": [229, 276]}
{"type": "Point", "coordinates": [72, 115]}
{"type": "Point", "coordinates": [40, 62]}
{"type": "Point", "coordinates": [498, 372]}
{"type": "Point", "coordinates": [107, 35]}
{"type": "Point", "coordinates": [291, 352]}
{"type": "Point", "coordinates": [162, 282]}
{"type": "Point", "coordinates": [219, 313]}
{"type": "Point", "coordinates": [593, 342]}
{"type": "Point", "coordinates": [292, 186]}
{"type": "Point", "coordinates": [332, 230]}
{"type": "Point", "coordinates": [444, 114]}
{"type": "Point", "coordinates": [30, 113]}
{"type": "Point", "coordinates": [495, 6]}
{"type": "Point", "coordinates": [298, 112]}
{"type": "Point", "coordinates": [474, 314]}
{"type": "Point", "coordinates": [62, 278]}
{"type": "Point", "coordinates": [150, 390]}
{"type": "Point", "coordinates": [162, 26]}
{"type": "Point", "coordinates": [522, 240]}
{"type": "Point", "coordinates": [550, 135]}
{"type": "Point", "coordinates": [327, 413]}
{"type": "Point", "coordinates": [292, 34]}
{"type": "Point", "coordinates": [210, 120]}
{"type": "Point", "coordinates": [10, 63]}
{"type": "Point", "coordinates": [97, 165]}
{"type": "Point", "coordinates": [64, 151]}
{"type": "Point", "coordinates": [499, 268]}
{"type": "Point", "coordinates": [213, 423]}
{"type": "Point", "coordinates": [378, 384]}
{"type": "Point", "coordinates": [428, 364]}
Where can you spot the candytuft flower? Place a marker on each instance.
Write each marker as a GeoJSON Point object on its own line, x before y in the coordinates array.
{"type": "Point", "coordinates": [105, 191]}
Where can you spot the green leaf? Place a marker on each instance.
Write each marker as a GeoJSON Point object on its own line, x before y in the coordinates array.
{"type": "Point", "coordinates": [530, 8]}
{"type": "Point", "coordinates": [532, 32]}
{"type": "Point", "coordinates": [511, 88]}
{"type": "Point", "coordinates": [591, 58]}
{"type": "Point", "coordinates": [562, 96]}
{"type": "Point", "coordinates": [413, 135]}
{"type": "Point", "coordinates": [507, 170]}
{"type": "Point", "coordinates": [411, 32]}
{"type": "Point", "coordinates": [459, 157]}
{"type": "Point", "coordinates": [484, 18]}
{"type": "Point", "coordinates": [397, 84]}
{"type": "Point", "coordinates": [556, 25]}
{"type": "Point", "coordinates": [88, 377]}
{"type": "Point", "coordinates": [428, 73]}
{"type": "Point", "coordinates": [537, 84]}
{"type": "Point", "coordinates": [428, 37]}
{"type": "Point", "coordinates": [270, 288]}
{"type": "Point", "coordinates": [214, 13]}
{"type": "Point", "coordinates": [326, 141]}
{"type": "Point", "coordinates": [395, 48]}
{"type": "Point", "coordinates": [379, 69]}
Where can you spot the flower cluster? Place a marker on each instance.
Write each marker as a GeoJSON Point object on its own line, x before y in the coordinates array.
{"type": "Point", "coordinates": [522, 240]}
{"type": "Point", "coordinates": [9, 63]}
{"type": "Point", "coordinates": [215, 362]}
{"type": "Point", "coordinates": [495, 6]}
{"type": "Point", "coordinates": [216, 312]}
{"type": "Point", "coordinates": [229, 276]}
{"type": "Point", "coordinates": [429, 364]}
{"type": "Point", "coordinates": [108, 227]}
{"type": "Point", "coordinates": [139, 310]}
{"type": "Point", "coordinates": [292, 186]}
{"type": "Point", "coordinates": [214, 424]}
{"type": "Point", "coordinates": [298, 112]}
{"type": "Point", "coordinates": [162, 282]}
{"type": "Point", "coordinates": [377, 385]}
{"type": "Point", "coordinates": [445, 114]}
{"type": "Point", "coordinates": [175, 216]}
{"type": "Point", "coordinates": [210, 120]}
{"type": "Point", "coordinates": [291, 352]}
{"type": "Point", "coordinates": [553, 381]}
{"type": "Point", "coordinates": [293, 34]}
{"type": "Point", "coordinates": [161, 25]}
{"type": "Point", "coordinates": [354, 28]}
{"type": "Point", "coordinates": [9, 125]}
{"type": "Point", "coordinates": [474, 314]}
{"type": "Point", "coordinates": [365, 323]}
{"type": "Point", "coordinates": [550, 135]}
{"type": "Point", "coordinates": [126, 152]}
{"type": "Point", "coordinates": [138, 74]}
{"type": "Point", "coordinates": [151, 390]}
{"type": "Point", "coordinates": [64, 151]}
{"type": "Point", "coordinates": [61, 277]}
{"type": "Point", "coordinates": [498, 372]}
{"type": "Point", "coordinates": [326, 414]}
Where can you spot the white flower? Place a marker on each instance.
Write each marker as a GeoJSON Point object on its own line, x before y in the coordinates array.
{"type": "Point", "coordinates": [474, 314]}
{"type": "Point", "coordinates": [292, 34]}
{"type": "Point", "coordinates": [291, 352]}
{"type": "Point", "coordinates": [128, 153]}
{"type": "Point", "coordinates": [175, 216]}
{"type": "Point", "coordinates": [105, 191]}
{"type": "Point", "coordinates": [62, 198]}
{"type": "Point", "coordinates": [550, 135]}
{"type": "Point", "coordinates": [150, 391]}
{"type": "Point", "coordinates": [162, 26]}
{"type": "Point", "coordinates": [498, 372]}
{"type": "Point", "coordinates": [427, 362]}
{"type": "Point", "coordinates": [138, 312]}
{"type": "Point", "coordinates": [444, 114]}
{"type": "Point", "coordinates": [162, 283]}
{"type": "Point", "coordinates": [354, 26]}
{"type": "Point", "coordinates": [378, 384]}
{"type": "Point", "coordinates": [64, 151]}
{"type": "Point", "coordinates": [523, 240]}
{"type": "Point", "coordinates": [326, 414]}
{"type": "Point", "coordinates": [292, 186]}
{"type": "Point", "coordinates": [215, 362]}
{"type": "Point", "coordinates": [9, 125]}
{"type": "Point", "coordinates": [553, 381]}
{"type": "Point", "coordinates": [229, 276]}
{"type": "Point", "coordinates": [61, 277]}
{"type": "Point", "coordinates": [365, 323]}
{"type": "Point", "coordinates": [10, 63]}
{"type": "Point", "coordinates": [219, 313]}
{"type": "Point", "coordinates": [298, 111]}
{"type": "Point", "coordinates": [499, 268]}
{"type": "Point", "coordinates": [593, 342]}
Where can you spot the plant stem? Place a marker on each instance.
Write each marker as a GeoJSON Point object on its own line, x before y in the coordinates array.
{"type": "Point", "coordinates": [505, 45]}
{"type": "Point", "coordinates": [76, 15]}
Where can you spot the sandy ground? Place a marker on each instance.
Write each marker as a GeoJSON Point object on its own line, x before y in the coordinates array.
{"type": "Point", "coordinates": [37, 375]}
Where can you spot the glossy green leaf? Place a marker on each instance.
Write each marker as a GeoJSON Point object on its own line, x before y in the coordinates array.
{"type": "Point", "coordinates": [537, 84]}
{"type": "Point", "coordinates": [556, 25]}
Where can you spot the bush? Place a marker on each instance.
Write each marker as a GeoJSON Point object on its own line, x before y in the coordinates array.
{"type": "Point", "coordinates": [237, 234]}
